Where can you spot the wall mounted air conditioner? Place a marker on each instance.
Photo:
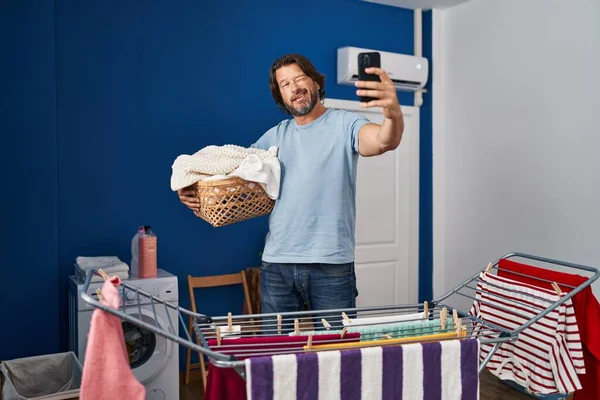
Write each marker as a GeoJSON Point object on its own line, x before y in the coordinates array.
{"type": "Point", "coordinates": [409, 73]}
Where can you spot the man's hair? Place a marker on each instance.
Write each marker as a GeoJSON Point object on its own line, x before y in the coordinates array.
{"type": "Point", "coordinates": [305, 65]}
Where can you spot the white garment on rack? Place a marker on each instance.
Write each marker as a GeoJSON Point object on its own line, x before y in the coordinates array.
{"type": "Point", "coordinates": [547, 356]}
{"type": "Point", "coordinates": [390, 319]}
{"type": "Point", "coordinates": [219, 162]}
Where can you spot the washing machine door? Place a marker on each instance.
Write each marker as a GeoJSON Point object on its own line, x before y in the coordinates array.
{"type": "Point", "coordinates": [148, 352]}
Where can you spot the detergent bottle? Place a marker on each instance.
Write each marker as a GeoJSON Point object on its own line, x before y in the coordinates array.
{"type": "Point", "coordinates": [148, 262]}
{"type": "Point", "coordinates": [135, 260]}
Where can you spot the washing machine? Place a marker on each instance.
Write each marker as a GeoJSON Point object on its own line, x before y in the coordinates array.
{"type": "Point", "coordinates": [154, 359]}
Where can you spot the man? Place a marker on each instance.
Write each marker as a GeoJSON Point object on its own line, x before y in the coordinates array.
{"type": "Point", "coordinates": [309, 253]}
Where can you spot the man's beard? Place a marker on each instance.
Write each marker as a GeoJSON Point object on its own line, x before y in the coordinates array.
{"type": "Point", "coordinates": [307, 106]}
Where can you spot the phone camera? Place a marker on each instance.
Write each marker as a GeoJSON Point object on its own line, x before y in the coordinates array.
{"type": "Point", "coordinates": [365, 58]}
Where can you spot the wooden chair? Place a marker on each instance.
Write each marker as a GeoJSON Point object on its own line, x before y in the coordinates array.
{"type": "Point", "coordinates": [253, 279]}
{"type": "Point", "coordinates": [209, 282]}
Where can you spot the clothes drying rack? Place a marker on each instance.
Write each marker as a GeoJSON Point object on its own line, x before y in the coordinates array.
{"type": "Point", "coordinates": [453, 321]}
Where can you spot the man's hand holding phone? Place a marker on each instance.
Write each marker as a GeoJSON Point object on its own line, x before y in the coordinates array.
{"type": "Point", "coordinates": [376, 89]}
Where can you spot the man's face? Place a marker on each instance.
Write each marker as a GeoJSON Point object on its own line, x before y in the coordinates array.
{"type": "Point", "coordinates": [299, 92]}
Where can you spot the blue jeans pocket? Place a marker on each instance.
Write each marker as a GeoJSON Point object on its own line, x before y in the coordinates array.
{"type": "Point", "coordinates": [265, 265]}
{"type": "Point", "coordinates": [338, 269]}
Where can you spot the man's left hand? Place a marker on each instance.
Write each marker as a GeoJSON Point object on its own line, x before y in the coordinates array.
{"type": "Point", "coordinates": [384, 92]}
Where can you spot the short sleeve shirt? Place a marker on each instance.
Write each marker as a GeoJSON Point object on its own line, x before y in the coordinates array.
{"type": "Point", "coordinates": [314, 218]}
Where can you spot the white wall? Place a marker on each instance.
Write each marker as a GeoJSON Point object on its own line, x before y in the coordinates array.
{"type": "Point", "coordinates": [516, 134]}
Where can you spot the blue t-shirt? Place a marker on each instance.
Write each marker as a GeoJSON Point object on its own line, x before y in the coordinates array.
{"type": "Point", "coordinates": [314, 218]}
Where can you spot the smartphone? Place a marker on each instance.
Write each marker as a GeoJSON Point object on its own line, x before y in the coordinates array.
{"type": "Point", "coordinates": [367, 60]}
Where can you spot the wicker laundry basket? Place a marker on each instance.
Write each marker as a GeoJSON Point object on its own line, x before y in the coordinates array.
{"type": "Point", "coordinates": [232, 200]}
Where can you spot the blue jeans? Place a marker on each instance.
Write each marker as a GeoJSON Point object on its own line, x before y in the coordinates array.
{"type": "Point", "coordinates": [288, 287]}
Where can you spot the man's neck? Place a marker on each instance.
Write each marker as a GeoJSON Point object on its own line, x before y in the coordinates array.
{"type": "Point", "coordinates": [313, 115]}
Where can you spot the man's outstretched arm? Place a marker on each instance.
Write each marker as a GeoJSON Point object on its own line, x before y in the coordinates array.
{"type": "Point", "coordinates": [375, 139]}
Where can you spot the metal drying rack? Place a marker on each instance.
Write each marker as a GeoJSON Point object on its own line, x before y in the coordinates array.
{"type": "Point", "coordinates": [213, 331]}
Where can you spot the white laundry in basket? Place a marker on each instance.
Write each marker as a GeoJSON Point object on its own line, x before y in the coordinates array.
{"type": "Point", "coordinates": [222, 162]}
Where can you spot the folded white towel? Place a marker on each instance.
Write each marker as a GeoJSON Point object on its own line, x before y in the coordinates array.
{"type": "Point", "coordinates": [123, 275]}
{"type": "Point", "coordinates": [105, 262]}
{"type": "Point", "coordinates": [220, 162]}
{"type": "Point", "coordinates": [117, 268]}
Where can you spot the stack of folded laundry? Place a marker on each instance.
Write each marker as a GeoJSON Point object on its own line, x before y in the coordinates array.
{"type": "Point", "coordinates": [113, 266]}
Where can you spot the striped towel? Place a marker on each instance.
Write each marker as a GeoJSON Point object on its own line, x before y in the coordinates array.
{"type": "Point", "coordinates": [446, 370]}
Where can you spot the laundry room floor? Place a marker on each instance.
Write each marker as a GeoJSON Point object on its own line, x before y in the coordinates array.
{"type": "Point", "coordinates": [490, 386]}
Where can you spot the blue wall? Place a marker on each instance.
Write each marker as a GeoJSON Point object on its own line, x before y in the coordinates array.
{"type": "Point", "coordinates": [102, 97]}
{"type": "Point", "coordinates": [29, 245]}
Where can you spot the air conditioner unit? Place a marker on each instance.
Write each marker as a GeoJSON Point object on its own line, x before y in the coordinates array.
{"type": "Point", "coordinates": [409, 73]}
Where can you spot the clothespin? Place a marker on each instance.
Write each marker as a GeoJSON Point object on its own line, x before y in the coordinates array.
{"type": "Point", "coordinates": [556, 288]}
{"type": "Point", "coordinates": [443, 316]}
{"type": "Point", "coordinates": [310, 338]}
{"type": "Point", "coordinates": [115, 280]}
{"type": "Point", "coordinates": [343, 334]}
{"type": "Point", "coordinates": [103, 274]}
{"type": "Point", "coordinates": [425, 310]}
{"type": "Point", "coordinates": [345, 316]}
{"type": "Point", "coordinates": [100, 295]}
{"type": "Point", "coordinates": [279, 324]}
{"type": "Point", "coordinates": [230, 329]}
{"type": "Point", "coordinates": [489, 267]}
{"type": "Point", "coordinates": [296, 326]}
{"type": "Point", "coordinates": [218, 335]}
{"type": "Point", "coordinates": [455, 316]}
{"type": "Point", "coordinates": [325, 323]}
{"type": "Point", "coordinates": [458, 327]}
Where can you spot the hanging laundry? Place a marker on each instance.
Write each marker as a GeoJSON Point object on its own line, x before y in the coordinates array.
{"type": "Point", "coordinates": [222, 162]}
{"type": "Point", "coordinates": [387, 342]}
{"type": "Point", "coordinates": [409, 328]}
{"type": "Point", "coordinates": [432, 370]}
{"type": "Point", "coordinates": [388, 319]}
{"type": "Point", "coordinates": [245, 347]}
{"type": "Point", "coordinates": [107, 374]}
{"type": "Point", "coordinates": [227, 384]}
{"type": "Point", "coordinates": [541, 360]}
{"type": "Point", "coordinates": [587, 313]}
{"type": "Point", "coordinates": [224, 384]}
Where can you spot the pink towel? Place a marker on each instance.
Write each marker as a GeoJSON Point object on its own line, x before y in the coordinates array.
{"type": "Point", "coordinates": [106, 371]}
